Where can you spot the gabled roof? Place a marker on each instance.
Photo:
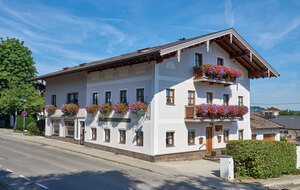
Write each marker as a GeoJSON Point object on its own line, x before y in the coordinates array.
{"type": "Point", "coordinates": [257, 122]}
{"type": "Point", "coordinates": [290, 122]}
{"type": "Point", "coordinates": [228, 39]}
{"type": "Point", "coordinates": [271, 109]}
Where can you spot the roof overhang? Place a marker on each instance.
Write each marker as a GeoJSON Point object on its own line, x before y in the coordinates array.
{"type": "Point", "coordinates": [229, 40]}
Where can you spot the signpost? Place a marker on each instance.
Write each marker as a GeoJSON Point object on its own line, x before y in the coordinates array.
{"type": "Point", "coordinates": [24, 113]}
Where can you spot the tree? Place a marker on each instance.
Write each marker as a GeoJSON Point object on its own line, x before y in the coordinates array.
{"type": "Point", "coordinates": [16, 66]}
{"type": "Point", "coordinates": [288, 112]}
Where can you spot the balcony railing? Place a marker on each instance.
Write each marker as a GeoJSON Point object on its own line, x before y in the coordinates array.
{"type": "Point", "coordinates": [192, 116]}
{"type": "Point", "coordinates": [218, 74]}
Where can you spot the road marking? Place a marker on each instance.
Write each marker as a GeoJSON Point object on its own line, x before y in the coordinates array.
{"type": "Point", "coordinates": [42, 186]}
{"type": "Point", "coordinates": [9, 170]}
{"type": "Point", "coordinates": [26, 178]}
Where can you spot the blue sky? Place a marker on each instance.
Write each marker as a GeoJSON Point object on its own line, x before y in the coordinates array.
{"type": "Point", "coordinates": [66, 33]}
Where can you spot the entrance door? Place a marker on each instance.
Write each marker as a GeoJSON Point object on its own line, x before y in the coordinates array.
{"type": "Point", "coordinates": [82, 133]}
{"type": "Point", "coordinates": [209, 139]}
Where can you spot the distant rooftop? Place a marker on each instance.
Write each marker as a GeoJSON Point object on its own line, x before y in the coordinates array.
{"type": "Point", "coordinates": [290, 122]}
{"type": "Point", "coordinates": [257, 122]}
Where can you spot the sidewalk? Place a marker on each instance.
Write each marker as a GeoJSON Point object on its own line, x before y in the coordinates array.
{"type": "Point", "coordinates": [198, 171]}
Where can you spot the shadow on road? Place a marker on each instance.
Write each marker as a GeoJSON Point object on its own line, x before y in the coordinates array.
{"type": "Point", "coordinates": [117, 180]}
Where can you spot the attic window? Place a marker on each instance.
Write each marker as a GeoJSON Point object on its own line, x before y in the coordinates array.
{"type": "Point", "coordinates": [143, 50]}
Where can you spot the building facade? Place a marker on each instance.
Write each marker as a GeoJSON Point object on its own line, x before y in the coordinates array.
{"type": "Point", "coordinates": [171, 79]}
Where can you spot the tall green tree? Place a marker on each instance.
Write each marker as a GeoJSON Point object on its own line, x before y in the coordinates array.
{"type": "Point", "coordinates": [16, 66]}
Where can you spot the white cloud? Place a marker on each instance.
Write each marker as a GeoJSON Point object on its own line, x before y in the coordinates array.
{"type": "Point", "coordinates": [229, 14]}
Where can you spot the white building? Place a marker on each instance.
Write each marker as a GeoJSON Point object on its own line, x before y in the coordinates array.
{"type": "Point", "coordinates": [165, 77]}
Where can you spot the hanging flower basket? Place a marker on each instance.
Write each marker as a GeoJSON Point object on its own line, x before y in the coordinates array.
{"type": "Point", "coordinates": [220, 111]}
{"type": "Point", "coordinates": [121, 108]}
{"type": "Point", "coordinates": [92, 109]}
{"type": "Point", "coordinates": [51, 109]}
{"type": "Point", "coordinates": [137, 108]}
{"type": "Point", "coordinates": [106, 109]}
{"type": "Point", "coordinates": [69, 109]}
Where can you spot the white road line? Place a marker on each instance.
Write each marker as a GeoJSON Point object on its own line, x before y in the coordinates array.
{"type": "Point", "coordinates": [42, 186]}
{"type": "Point", "coordinates": [9, 170]}
{"type": "Point", "coordinates": [26, 178]}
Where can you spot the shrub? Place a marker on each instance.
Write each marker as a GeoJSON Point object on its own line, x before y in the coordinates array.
{"type": "Point", "coordinates": [213, 153]}
{"type": "Point", "coordinates": [283, 139]}
{"type": "Point", "coordinates": [41, 125]}
{"type": "Point", "coordinates": [262, 159]}
{"type": "Point", "coordinates": [20, 122]}
{"type": "Point", "coordinates": [223, 152]}
{"type": "Point", "coordinates": [33, 129]}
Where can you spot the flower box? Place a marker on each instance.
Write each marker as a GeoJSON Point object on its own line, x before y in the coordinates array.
{"type": "Point", "coordinates": [51, 109]}
{"type": "Point", "coordinates": [69, 109]}
{"type": "Point", "coordinates": [106, 109]}
{"type": "Point", "coordinates": [136, 107]}
{"type": "Point", "coordinates": [92, 109]}
{"type": "Point", "coordinates": [121, 108]}
{"type": "Point", "coordinates": [213, 111]}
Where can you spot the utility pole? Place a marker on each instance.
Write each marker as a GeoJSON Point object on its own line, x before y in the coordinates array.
{"type": "Point", "coordinates": [24, 100]}
{"type": "Point", "coordinates": [16, 115]}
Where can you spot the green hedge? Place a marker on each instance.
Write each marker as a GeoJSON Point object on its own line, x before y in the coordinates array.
{"type": "Point", "coordinates": [262, 159]}
{"type": "Point", "coordinates": [20, 122]}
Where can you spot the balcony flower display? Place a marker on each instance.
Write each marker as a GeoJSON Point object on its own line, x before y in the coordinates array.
{"type": "Point", "coordinates": [69, 109]}
{"type": "Point", "coordinates": [50, 109]}
{"type": "Point", "coordinates": [135, 107]}
{"type": "Point", "coordinates": [221, 72]}
{"type": "Point", "coordinates": [106, 109]}
{"type": "Point", "coordinates": [223, 110]}
{"type": "Point", "coordinates": [91, 109]}
{"type": "Point", "coordinates": [217, 111]}
{"type": "Point", "coordinates": [202, 110]}
{"type": "Point", "coordinates": [121, 108]}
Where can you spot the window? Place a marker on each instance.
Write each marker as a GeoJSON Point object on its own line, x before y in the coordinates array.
{"type": "Point", "coordinates": [95, 98]}
{"type": "Point", "coordinates": [69, 125]}
{"type": "Point", "coordinates": [73, 98]}
{"type": "Point", "coordinates": [53, 100]}
{"type": "Point", "coordinates": [191, 98]}
{"type": "Point", "coordinates": [170, 138]}
{"type": "Point", "coordinates": [108, 97]}
{"type": "Point", "coordinates": [140, 95]}
{"type": "Point", "coordinates": [123, 96]}
{"type": "Point", "coordinates": [220, 61]}
{"type": "Point", "coordinates": [226, 99]}
{"type": "Point", "coordinates": [226, 135]}
{"type": "Point", "coordinates": [55, 125]}
{"type": "Point", "coordinates": [198, 59]}
{"type": "Point", "coordinates": [170, 96]}
{"type": "Point", "coordinates": [209, 97]}
{"type": "Point", "coordinates": [122, 136]}
{"type": "Point", "coordinates": [107, 135]}
{"type": "Point", "coordinates": [219, 128]}
{"type": "Point", "coordinates": [191, 137]}
{"type": "Point", "coordinates": [139, 138]}
{"type": "Point", "coordinates": [240, 103]}
{"type": "Point", "coordinates": [94, 134]}
{"type": "Point", "coordinates": [241, 134]}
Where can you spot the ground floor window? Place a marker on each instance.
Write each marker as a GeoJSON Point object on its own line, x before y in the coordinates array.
{"type": "Point", "coordinates": [122, 136]}
{"type": "Point", "coordinates": [107, 135]}
{"type": "Point", "coordinates": [94, 134]}
{"type": "Point", "coordinates": [170, 138]}
{"type": "Point", "coordinates": [55, 125]}
{"type": "Point", "coordinates": [253, 136]}
{"type": "Point", "coordinates": [139, 138]}
{"type": "Point", "coordinates": [69, 125]}
{"type": "Point", "coordinates": [191, 137]}
{"type": "Point", "coordinates": [226, 135]}
{"type": "Point", "coordinates": [241, 134]}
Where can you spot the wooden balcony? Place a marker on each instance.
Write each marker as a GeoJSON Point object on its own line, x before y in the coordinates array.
{"type": "Point", "coordinates": [191, 117]}
{"type": "Point", "coordinates": [199, 76]}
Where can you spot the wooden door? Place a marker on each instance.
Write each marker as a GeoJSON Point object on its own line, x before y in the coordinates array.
{"type": "Point", "coordinates": [209, 139]}
{"type": "Point", "coordinates": [269, 137]}
{"type": "Point", "coordinates": [253, 136]}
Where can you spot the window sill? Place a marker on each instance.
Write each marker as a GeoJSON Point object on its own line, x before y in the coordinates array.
{"type": "Point", "coordinates": [192, 144]}
{"type": "Point", "coordinates": [122, 143]}
{"type": "Point", "coordinates": [170, 146]}
{"type": "Point", "coordinates": [107, 141]}
{"type": "Point", "coordinates": [170, 104]}
{"type": "Point", "coordinates": [139, 145]}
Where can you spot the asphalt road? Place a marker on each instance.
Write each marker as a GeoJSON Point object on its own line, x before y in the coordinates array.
{"type": "Point", "coordinates": [26, 165]}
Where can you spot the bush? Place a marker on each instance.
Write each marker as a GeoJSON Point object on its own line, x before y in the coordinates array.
{"type": "Point", "coordinates": [283, 139]}
{"type": "Point", "coordinates": [33, 129]}
{"type": "Point", "coordinates": [28, 120]}
{"type": "Point", "coordinates": [41, 125]}
{"type": "Point", "coordinates": [262, 159]}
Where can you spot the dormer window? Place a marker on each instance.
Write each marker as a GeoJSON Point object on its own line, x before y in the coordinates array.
{"type": "Point", "coordinates": [198, 59]}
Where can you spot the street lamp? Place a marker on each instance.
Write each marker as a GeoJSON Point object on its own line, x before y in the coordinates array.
{"type": "Point", "coordinates": [24, 101]}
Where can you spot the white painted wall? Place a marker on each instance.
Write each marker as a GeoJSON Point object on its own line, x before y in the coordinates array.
{"type": "Point", "coordinates": [298, 157]}
{"type": "Point", "coordinates": [179, 76]}
{"type": "Point", "coordinates": [260, 134]}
